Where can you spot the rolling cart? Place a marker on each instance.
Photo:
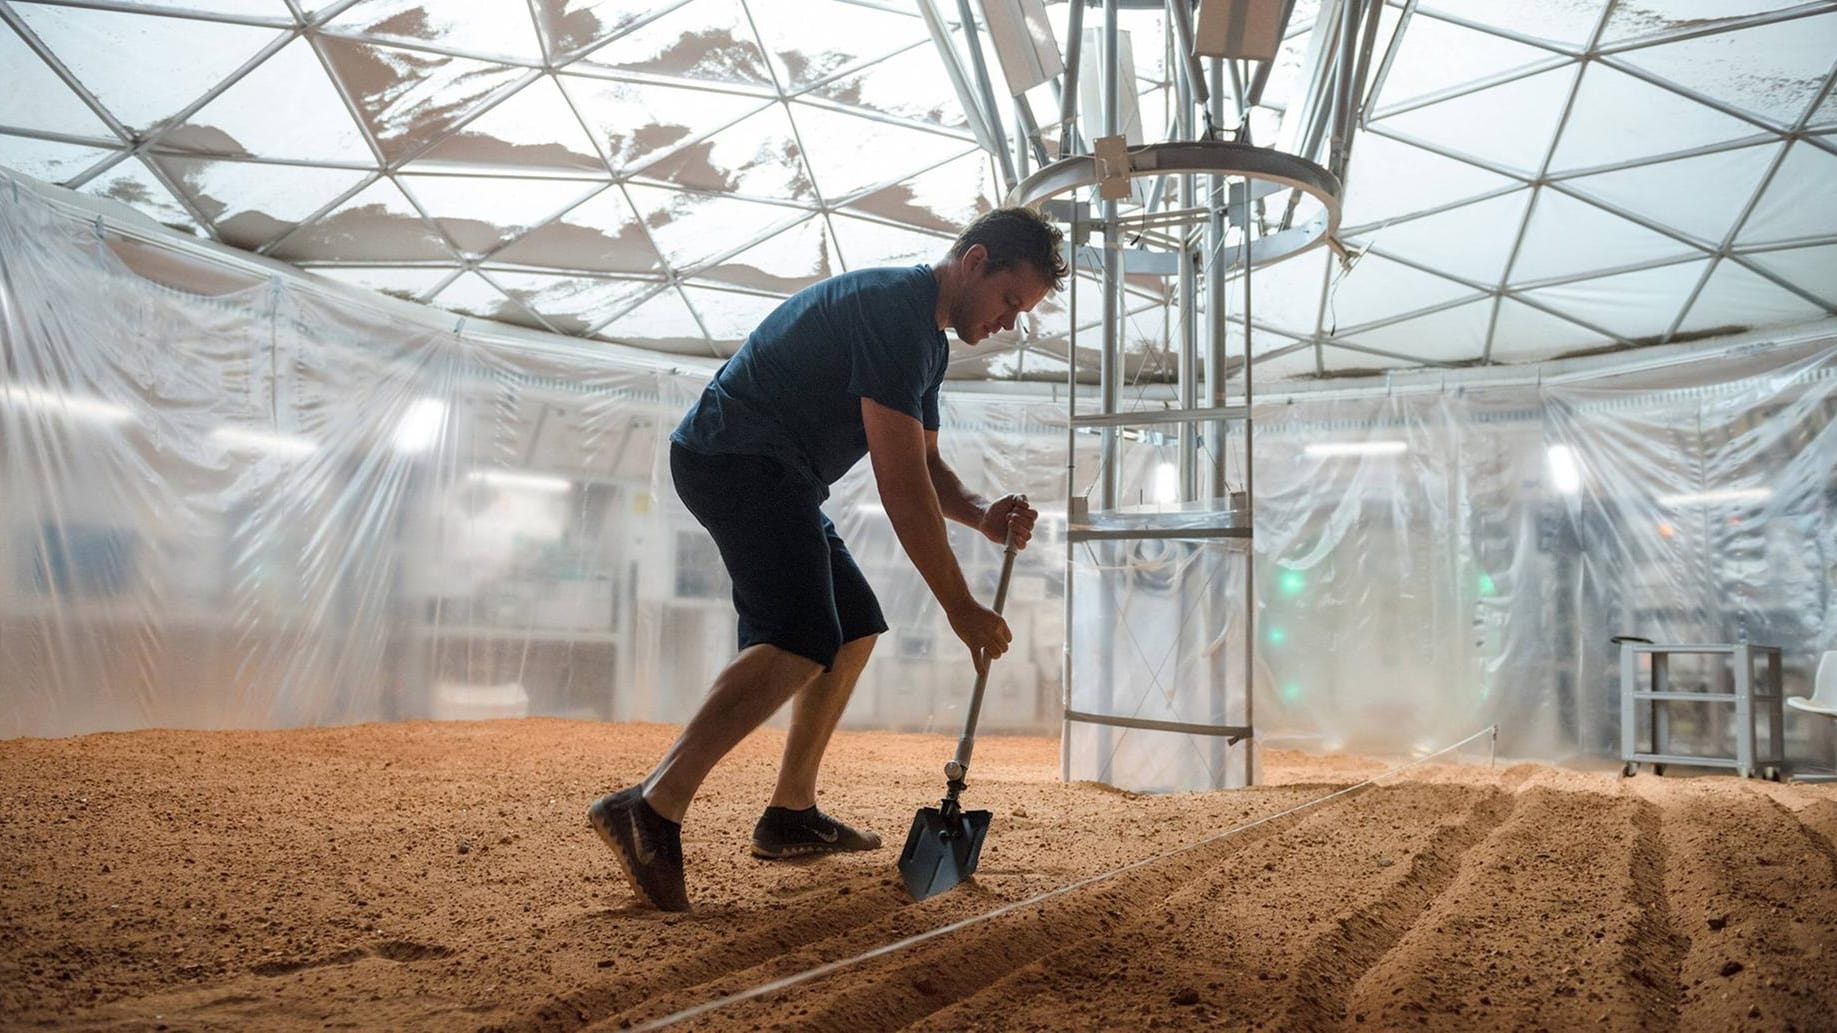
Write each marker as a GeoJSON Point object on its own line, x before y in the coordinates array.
{"type": "Point", "coordinates": [1742, 656]}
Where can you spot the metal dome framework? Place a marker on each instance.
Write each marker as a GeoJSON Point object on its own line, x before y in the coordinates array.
{"type": "Point", "coordinates": [1526, 181]}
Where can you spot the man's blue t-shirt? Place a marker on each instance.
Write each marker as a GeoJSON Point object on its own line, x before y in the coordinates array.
{"type": "Point", "coordinates": [793, 391]}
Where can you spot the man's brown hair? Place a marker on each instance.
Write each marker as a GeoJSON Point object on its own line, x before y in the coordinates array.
{"type": "Point", "coordinates": [1013, 236]}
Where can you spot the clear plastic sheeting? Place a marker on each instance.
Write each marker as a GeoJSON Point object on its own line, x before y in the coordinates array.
{"type": "Point", "coordinates": [1159, 639]}
{"type": "Point", "coordinates": [234, 497]}
{"type": "Point", "coordinates": [237, 496]}
{"type": "Point", "coordinates": [1433, 561]}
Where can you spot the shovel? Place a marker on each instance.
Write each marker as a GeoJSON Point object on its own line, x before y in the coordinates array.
{"type": "Point", "coordinates": [946, 841]}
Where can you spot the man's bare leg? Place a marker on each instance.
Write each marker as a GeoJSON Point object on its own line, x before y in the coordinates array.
{"type": "Point", "coordinates": [747, 691]}
{"type": "Point", "coordinates": [815, 711]}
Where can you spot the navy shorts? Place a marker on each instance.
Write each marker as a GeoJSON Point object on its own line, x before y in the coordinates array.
{"type": "Point", "coordinates": [795, 585]}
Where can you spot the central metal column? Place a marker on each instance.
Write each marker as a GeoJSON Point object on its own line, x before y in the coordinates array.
{"type": "Point", "coordinates": [1216, 266]}
{"type": "Point", "coordinates": [1108, 372]}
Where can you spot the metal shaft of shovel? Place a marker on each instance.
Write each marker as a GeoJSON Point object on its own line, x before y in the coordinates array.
{"type": "Point", "coordinates": [945, 843]}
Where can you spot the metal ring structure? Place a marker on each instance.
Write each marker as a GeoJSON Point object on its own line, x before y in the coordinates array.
{"type": "Point", "coordinates": [1268, 171]}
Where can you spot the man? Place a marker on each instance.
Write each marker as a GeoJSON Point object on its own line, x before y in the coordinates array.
{"type": "Point", "coordinates": [845, 368]}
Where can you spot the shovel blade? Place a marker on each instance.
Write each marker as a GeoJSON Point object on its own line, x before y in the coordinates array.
{"type": "Point", "coordinates": [939, 852]}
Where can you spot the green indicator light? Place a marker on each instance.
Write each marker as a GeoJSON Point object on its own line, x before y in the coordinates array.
{"type": "Point", "coordinates": [1486, 584]}
{"type": "Point", "coordinates": [1277, 636]}
{"type": "Point", "coordinates": [1290, 692]}
{"type": "Point", "coordinates": [1291, 582]}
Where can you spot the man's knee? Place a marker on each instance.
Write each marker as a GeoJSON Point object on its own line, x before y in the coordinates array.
{"type": "Point", "coordinates": [855, 651]}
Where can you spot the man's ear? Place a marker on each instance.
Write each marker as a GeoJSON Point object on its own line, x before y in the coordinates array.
{"type": "Point", "coordinates": [975, 257]}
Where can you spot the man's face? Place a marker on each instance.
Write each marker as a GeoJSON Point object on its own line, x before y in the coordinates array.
{"type": "Point", "coordinates": [993, 301]}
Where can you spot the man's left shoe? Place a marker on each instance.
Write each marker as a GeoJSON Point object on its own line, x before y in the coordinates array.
{"type": "Point", "coordinates": [782, 832]}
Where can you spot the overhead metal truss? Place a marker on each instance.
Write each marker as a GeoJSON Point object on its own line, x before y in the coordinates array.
{"type": "Point", "coordinates": [96, 154]}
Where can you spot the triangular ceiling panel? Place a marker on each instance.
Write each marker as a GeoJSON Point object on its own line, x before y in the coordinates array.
{"type": "Point", "coordinates": [866, 244]}
{"type": "Point", "coordinates": [1285, 295]}
{"type": "Point", "coordinates": [271, 9]}
{"type": "Point", "coordinates": [1633, 305]}
{"type": "Point", "coordinates": [1618, 118]}
{"type": "Point", "coordinates": [730, 315]}
{"type": "Point", "coordinates": [1558, 22]}
{"type": "Point", "coordinates": [1800, 201]}
{"type": "Point", "coordinates": [1772, 70]}
{"type": "Point", "coordinates": [472, 295]}
{"type": "Point", "coordinates": [1826, 115]}
{"type": "Point", "coordinates": [1508, 125]}
{"type": "Point", "coordinates": [1642, 20]}
{"type": "Point", "coordinates": [783, 263]}
{"type": "Point", "coordinates": [811, 40]}
{"type": "Point", "coordinates": [1389, 178]}
{"type": "Point", "coordinates": [533, 128]}
{"type": "Point", "coordinates": [1523, 333]}
{"type": "Point", "coordinates": [638, 122]}
{"type": "Point", "coordinates": [252, 203]}
{"type": "Point", "coordinates": [1701, 195]}
{"type": "Point", "coordinates": [664, 322]}
{"type": "Point", "coordinates": [1471, 241]}
{"type": "Point", "coordinates": [572, 304]}
{"type": "Point", "coordinates": [135, 185]}
{"type": "Point", "coordinates": [409, 283]}
{"type": "Point", "coordinates": [377, 225]}
{"type": "Point", "coordinates": [1812, 269]}
{"type": "Point", "coordinates": [285, 108]}
{"type": "Point", "coordinates": [128, 60]}
{"type": "Point", "coordinates": [1435, 56]}
{"type": "Point", "coordinates": [1455, 334]}
{"type": "Point", "coordinates": [756, 157]}
{"type": "Point", "coordinates": [35, 98]}
{"type": "Point", "coordinates": [602, 234]}
{"type": "Point", "coordinates": [1353, 362]}
{"type": "Point", "coordinates": [1378, 288]}
{"type": "Point", "coordinates": [702, 39]}
{"type": "Point", "coordinates": [945, 199]}
{"type": "Point", "coordinates": [1298, 364]}
{"type": "Point", "coordinates": [905, 85]}
{"type": "Point", "coordinates": [569, 27]}
{"type": "Point", "coordinates": [1738, 299]}
{"type": "Point", "coordinates": [1566, 236]}
{"type": "Point", "coordinates": [480, 213]}
{"type": "Point", "coordinates": [500, 31]}
{"type": "Point", "coordinates": [690, 228]}
{"type": "Point", "coordinates": [48, 160]}
{"type": "Point", "coordinates": [849, 153]}
{"type": "Point", "coordinates": [410, 98]}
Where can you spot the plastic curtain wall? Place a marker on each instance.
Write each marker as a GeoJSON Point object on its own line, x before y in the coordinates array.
{"type": "Point", "coordinates": [1434, 561]}
{"type": "Point", "coordinates": [273, 504]}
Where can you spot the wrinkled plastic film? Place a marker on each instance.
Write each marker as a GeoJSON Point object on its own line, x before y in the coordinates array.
{"type": "Point", "coordinates": [255, 503]}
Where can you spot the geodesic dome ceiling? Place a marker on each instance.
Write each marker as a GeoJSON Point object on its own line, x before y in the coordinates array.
{"type": "Point", "coordinates": [1530, 179]}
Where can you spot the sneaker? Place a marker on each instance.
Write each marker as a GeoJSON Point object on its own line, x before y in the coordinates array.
{"type": "Point", "coordinates": [782, 832]}
{"type": "Point", "coordinates": [647, 844]}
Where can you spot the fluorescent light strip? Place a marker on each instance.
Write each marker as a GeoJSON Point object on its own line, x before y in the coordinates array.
{"type": "Point", "coordinates": [263, 441]}
{"type": "Point", "coordinates": [1357, 448]}
{"type": "Point", "coordinates": [76, 407]}
{"type": "Point", "coordinates": [524, 481]}
{"type": "Point", "coordinates": [1565, 471]}
{"type": "Point", "coordinates": [1707, 498]}
{"type": "Point", "coordinates": [420, 426]}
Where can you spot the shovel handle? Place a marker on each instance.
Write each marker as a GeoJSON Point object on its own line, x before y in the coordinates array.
{"type": "Point", "coordinates": [967, 744]}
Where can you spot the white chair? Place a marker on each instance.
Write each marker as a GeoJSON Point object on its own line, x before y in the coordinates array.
{"type": "Point", "coordinates": [1824, 689]}
{"type": "Point", "coordinates": [1823, 702]}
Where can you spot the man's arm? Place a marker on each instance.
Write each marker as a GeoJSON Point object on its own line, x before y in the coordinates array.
{"type": "Point", "coordinates": [896, 446]}
{"type": "Point", "coordinates": [996, 520]}
{"type": "Point", "coordinates": [958, 502]}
